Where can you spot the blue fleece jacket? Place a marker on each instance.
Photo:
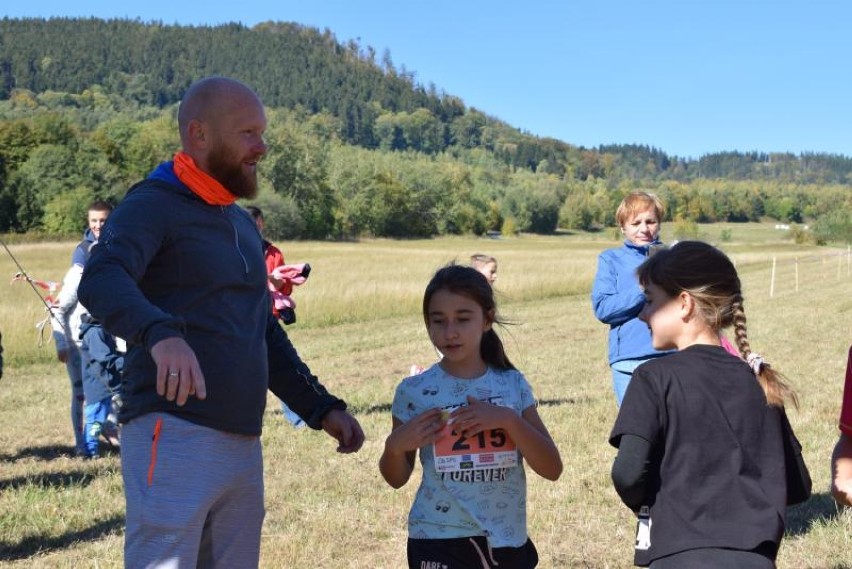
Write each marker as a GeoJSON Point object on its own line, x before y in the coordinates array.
{"type": "Point", "coordinates": [617, 300]}
{"type": "Point", "coordinates": [170, 265]}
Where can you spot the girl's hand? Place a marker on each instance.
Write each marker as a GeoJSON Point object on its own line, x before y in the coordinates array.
{"type": "Point", "coordinates": [420, 431]}
{"type": "Point", "coordinates": [479, 416]}
{"type": "Point", "coordinates": [526, 430]}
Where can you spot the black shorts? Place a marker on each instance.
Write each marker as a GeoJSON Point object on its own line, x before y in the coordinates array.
{"type": "Point", "coordinates": [712, 557]}
{"type": "Point", "coordinates": [468, 553]}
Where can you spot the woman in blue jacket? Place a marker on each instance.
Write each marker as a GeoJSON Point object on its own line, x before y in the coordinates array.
{"type": "Point", "coordinates": [616, 295]}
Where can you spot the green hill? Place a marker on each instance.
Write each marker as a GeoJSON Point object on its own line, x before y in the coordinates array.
{"type": "Point", "coordinates": [358, 147]}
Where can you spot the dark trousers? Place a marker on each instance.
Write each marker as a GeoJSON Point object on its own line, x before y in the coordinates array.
{"type": "Point", "coordinates": [468, 553]}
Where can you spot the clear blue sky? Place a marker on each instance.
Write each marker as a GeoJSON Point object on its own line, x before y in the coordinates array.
{"type": "Point", "coordinates": [686, 76]}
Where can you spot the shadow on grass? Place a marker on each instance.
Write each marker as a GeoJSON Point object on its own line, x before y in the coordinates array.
{"type": "Point", "coordinates": [38, 544]}
{"type": "Point", "coordinates": [563, 401]}
{"type": "Point", "coordinates": [386, 407]}
{"type": "Point", "coordinates": [74, 478]}
{"type": "Point", "coordinates": [50, 452]}
{"type": "Point", "coordinates": [81, 475]}
{"type": "Point", "coordinates": [53, 452]}
{"type": "Point", "coordinates": [380, 408]}
{"type": "Point", "coordinates": [818, 507]}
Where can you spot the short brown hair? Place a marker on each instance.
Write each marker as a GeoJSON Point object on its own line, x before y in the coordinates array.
{"type": "Point", "coordinates": [100, 205]}
{"type": "Point", "coordinates": [635, 202]}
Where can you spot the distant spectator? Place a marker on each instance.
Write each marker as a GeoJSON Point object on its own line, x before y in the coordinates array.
{"type": "Point", "coordinates": [485, 264]}
{"type": "Point", "coordinates": [274, 259]}
{"type": "Point", "coordinates": [1, 355]}
{"type": "Point", "coordinates": [617, 297]}
{"type": "Point", "coordinates": [68, 313]}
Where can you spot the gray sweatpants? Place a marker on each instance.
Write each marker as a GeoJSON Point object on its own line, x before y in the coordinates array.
{"type": "Point", "coordinates": [194, 495]}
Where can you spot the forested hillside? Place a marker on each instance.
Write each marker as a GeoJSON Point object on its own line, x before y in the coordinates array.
{"type": "Point", "coordinates": [290, 66]}
{"type": "Point", "coordinates": [358, 145]}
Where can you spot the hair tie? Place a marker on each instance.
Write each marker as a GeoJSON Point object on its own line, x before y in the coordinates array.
{"type": "Point", "coordinates": [756, 362]}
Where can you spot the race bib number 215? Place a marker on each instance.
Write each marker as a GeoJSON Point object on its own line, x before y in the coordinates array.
{"type": "Point", "coordinates": [489, 449]}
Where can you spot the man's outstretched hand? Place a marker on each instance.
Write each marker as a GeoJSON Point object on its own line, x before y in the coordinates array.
{"type": "Point", "coordinates": [345, 428]}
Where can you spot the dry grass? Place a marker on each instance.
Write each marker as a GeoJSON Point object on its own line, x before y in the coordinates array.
{"type": "Point", "coordinates": [360, 330]}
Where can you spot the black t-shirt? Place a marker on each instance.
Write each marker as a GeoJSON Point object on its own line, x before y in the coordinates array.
{"type": "Point", "coordinates": [717, 473]}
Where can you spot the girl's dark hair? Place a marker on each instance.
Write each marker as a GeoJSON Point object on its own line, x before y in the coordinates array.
{"type": "Point", "coordinates": [711, 280]}
{"type": "Point", "coordinates": [469, 282]}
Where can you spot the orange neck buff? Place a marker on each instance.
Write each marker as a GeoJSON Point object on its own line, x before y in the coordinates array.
{"type": "Point", "coordinates": [202, 183]}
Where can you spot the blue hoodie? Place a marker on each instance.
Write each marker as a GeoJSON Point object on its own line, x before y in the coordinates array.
{"type": "Point", "coordinates": [170, 265]}
{"type": "Point", "coordinates": [617, 300]}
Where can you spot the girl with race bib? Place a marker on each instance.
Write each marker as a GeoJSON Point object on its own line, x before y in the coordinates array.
{"type": "Point", "coordinates": [473, 418]}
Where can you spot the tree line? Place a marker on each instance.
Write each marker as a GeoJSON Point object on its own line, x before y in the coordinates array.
{"type": "Point", "coordinates": [357, 146]}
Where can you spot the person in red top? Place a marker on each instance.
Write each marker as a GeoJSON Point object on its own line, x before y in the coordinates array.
{"type": "Point", "coordinates": [275, 258]}
{"type": "Point", "coordinates": [841, 459]}
{"type": "Point", "coordinates": [272, 255]}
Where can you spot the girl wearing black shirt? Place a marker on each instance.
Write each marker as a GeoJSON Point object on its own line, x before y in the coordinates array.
{"type": "Point", "coordinates": [700, 454]}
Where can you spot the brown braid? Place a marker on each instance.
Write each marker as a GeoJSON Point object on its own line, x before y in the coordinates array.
{"type": "Point", "coordinates": [739, 322]}
{"type": "Point", "coordinates": [777, 390]}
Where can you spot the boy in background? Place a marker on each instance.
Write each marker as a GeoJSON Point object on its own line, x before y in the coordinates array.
{"type": "Point", "coordinates": [102, 366]}
{"type": "Point", "coordinates": [68, 314]}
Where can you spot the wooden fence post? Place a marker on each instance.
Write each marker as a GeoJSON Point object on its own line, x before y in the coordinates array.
{"type": "Point", "coordinates": [772, 278]}
{"type": "Point", "coordinates": [797, 273]}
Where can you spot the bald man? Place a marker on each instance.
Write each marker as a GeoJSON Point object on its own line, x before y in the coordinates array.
{"type": "Point", "coordinates": [179, 273]}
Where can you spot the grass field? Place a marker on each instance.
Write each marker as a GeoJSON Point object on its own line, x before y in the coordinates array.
{"type": "Point", "coordinates": [360, 330]}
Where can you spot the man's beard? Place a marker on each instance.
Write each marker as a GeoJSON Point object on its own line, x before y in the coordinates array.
{"type": "Point", "coordinates": [231, 175]}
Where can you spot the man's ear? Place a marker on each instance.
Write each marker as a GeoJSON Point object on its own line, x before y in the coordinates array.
{"type": "Point", "coordinates": [197, 134]}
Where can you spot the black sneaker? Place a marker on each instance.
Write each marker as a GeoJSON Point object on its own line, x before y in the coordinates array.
{"type": "Point", "coordinates": [111, 433]}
